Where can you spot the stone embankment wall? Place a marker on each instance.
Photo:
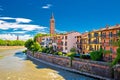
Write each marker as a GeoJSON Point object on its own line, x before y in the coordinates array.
{"type": "Point", "coordinates": [117, 72]}
{"type": "Point", "coordinates": [91, 67]}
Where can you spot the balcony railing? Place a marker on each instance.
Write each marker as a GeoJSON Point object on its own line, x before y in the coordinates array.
{"type": "Point", "coordinates": [110, 36]}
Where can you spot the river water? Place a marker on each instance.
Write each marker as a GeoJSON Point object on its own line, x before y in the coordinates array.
{"type": "Point", "coordinates": [14, 65]}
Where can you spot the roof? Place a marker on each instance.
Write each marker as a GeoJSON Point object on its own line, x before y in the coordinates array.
{"type": "Point", "coordinates": [111, 27]}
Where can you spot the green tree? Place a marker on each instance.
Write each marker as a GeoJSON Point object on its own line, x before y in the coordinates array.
{"type": "Point", "coordinates": [29, 43]}
{"type": "Point", "coordinates": [96, 55]}
{"type": "Point", "coordinates": [71, 56]}
{"type": "Point", "coordinates": [36, 47]}
{"type": "Point", "coordinates": [11, 42]}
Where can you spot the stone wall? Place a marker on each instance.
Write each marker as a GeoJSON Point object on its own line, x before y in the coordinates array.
{"type": "Point", "coordinates": [117, 72]}
{"type": "Point", "coordinates": [92, 67]}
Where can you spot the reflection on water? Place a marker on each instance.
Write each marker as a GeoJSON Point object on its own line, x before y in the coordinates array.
{"type": "Point", "coordinates": [18, 67]}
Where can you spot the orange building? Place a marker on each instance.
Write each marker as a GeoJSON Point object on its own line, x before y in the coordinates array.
{"type": "Point", "coordinates": [109, 35]}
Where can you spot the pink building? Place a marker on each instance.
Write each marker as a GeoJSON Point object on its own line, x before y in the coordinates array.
{"type": "Point", "coordinates": [67, 41]}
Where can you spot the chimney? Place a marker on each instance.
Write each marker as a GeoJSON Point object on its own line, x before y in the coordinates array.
{"type": "Point", "coordinates": [117, 24]}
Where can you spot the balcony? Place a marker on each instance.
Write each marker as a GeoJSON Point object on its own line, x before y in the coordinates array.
{"type": "Point", "coordinates": [110, 36]}
{"type": "Point", "coordinates": [106, 44]}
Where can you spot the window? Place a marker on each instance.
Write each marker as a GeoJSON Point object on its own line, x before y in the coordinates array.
{"type": "Point", "coordinates": [104, 41]}
{"type": "Point", "coordinates": [89, 35]}
{"type": "Point", "coordinates": [110, 42]}
{"type": "Point", "coordinates": [95, 34]}
{"type": "Point", "coordinates": [65, 37]}
{"type": "Point", "coordinates": [65, 43]}
{"type": "Point", "coordinates": [111, 50]}
{"type": "Point", "coordinates": [110, 34]}
{"type": "Point", "coordinates": [61, 43]}
{"type": "Point", "coordinates": [62, 48]}
{"type": "Point", "coordinates": [104, 35]}
{"type": "Point", "coordinates": [65, 48]}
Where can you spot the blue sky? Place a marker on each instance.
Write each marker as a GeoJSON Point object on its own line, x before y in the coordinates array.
{"type": "Point", "coordinates": [28, 17]}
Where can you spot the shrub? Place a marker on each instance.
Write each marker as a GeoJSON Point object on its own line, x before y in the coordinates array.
{"type": "Point", "coordinates": [96, 55]}
{"type": "Point", "coordinates": [72, 50]}
{"type": "Point", "coordinates": [117, 59]}
{"type": "Point", "coordinates": [29, 43]}
{"type": "Point", "coordinates": [85, 56]}
{"type": "Point", "coordinates": [36, 47]}
{"type": "Point", "coordinates": [55, 53]}
{"type": "Point", "coordinates": [24, 51]}
{"type": "Point", "coordinates": [60, 53]}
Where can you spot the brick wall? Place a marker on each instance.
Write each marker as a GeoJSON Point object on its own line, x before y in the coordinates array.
{"type": "Point", "coordinates": [92, 67]}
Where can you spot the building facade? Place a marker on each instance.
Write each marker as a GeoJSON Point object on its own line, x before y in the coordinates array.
{"type": "Point", "coordinates": [109, 35]}
{"type": "Point", "coordinates": [94, 40]}
{"type": "Point", "coordinates": [66, 41]}
{"type": "Point", "coordinates": [82, 43]}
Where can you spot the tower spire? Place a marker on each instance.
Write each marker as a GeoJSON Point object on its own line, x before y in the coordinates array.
{"type": "Point", "coordinates": [52, 17]}
{"type": "Point", "coordinates": [52, 25]}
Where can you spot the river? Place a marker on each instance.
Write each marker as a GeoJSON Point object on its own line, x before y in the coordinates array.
{"type": "Point", "coordinates": [14, 65]}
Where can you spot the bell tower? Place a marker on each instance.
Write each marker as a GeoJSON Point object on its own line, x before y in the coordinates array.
{"type": "Point", "coordinates": [52, 25]}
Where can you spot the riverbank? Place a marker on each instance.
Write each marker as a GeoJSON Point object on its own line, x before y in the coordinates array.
{"type": "Point", "coordinates": [10, 47]}
{"type": "Point", "coordinates": [4, 50]}
{"type": "Point", "coordinates": [94, 69]}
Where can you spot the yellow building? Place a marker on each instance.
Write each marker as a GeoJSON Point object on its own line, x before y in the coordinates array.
{"type": "Point", "coordinates": [82, 43]}
{"type": "Point", "coordinates": [94, 40]}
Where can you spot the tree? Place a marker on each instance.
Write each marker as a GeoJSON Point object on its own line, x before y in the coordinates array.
{"type": "Point", "coordinates": [71, 56]}
{"type": "Point", "coordinates": [36, 47]}
{"type": "Point", "coordinates": [29, 43]}
{"type": "Point", "coordinates": [96, 55]}
{"type": "Point", "coordinates": [11, 42]}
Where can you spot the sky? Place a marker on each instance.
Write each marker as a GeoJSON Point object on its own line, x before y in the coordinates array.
{"type": "Point", "coordinates": [25, 18]}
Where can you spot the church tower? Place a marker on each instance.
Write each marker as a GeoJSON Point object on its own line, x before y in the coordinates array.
{"type": "Point", "coordinates": [52, 25]}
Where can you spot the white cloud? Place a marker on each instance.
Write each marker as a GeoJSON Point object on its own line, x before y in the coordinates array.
{"type": "Point", "coordinates": [23, 20]}
{"type": "Point", "coordinates": [47, 6]}
{"type": "Point", "coordinates": [19, 32]}
{"type": "Point", "coordinates": [14, 37]}
{"type": "Point", "coordinates": [59, 31]}
{"type": "Point", "coordinates": [18, 20]}
{"type": "Point", "coordinates": [1, 21]}
{"type": "Point", "coordinates": [28, 27]}
{"type": "Point", "coordinates": [7, 18]}
{"type": "Point", "coordinates": [10, 30]}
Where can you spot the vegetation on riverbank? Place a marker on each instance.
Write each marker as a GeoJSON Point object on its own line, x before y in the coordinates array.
{"type": "Point", "coordinates": [11, 42]}
{"type": "Point", "coordinates": [1, 57]}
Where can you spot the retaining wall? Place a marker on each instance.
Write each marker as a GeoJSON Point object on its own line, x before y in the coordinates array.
{"type": "Point", "coordinates": [92, 67]}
